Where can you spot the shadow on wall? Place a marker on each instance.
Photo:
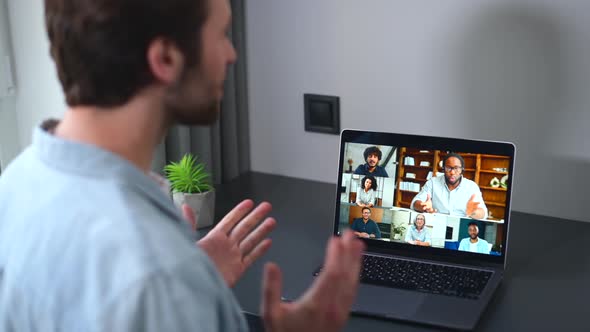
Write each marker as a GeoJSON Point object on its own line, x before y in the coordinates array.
{"type": "Point", "coordinates": [512, 79]}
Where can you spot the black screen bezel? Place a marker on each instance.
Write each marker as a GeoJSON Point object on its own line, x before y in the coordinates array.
{"type": "Point", "coordinates": [430, 143]}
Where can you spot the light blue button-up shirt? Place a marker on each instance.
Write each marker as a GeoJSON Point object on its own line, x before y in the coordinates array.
{"type": "Point", "coordinates": [453, 202]}
{"type": "Point", "coordinates": [481, 246]}
{"type": "Point", "coordinates": [414, 234]}
{"type": "Point", "coordinates": [88, 242]}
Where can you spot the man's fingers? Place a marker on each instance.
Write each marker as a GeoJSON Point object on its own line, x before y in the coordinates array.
{"type": "Point", "coordinates": [271, 292]}
{"type": "Point", "coordinates": [342, 278]}
{"type": "Point", "coordinates": [425, 207]}
{"type": "Point", "coordinates": [472, 204]}
{"type": "Point", "coordinates": [324, 287]}
{"type": "Point", "coordinates": [245, 226]}
{"type": "Point", "coordinates": [339, 278]}
{"type": "Point", "coordinates": [354, 249]}
{"type": "Point", "coordinates": [255, 237]}
{"type": "Point", "coordinates": [257, 252]}
{"type": "Point", "coordinates": [189, 216]}
{"type": "Point", "coordinates": [235, 215]}
{"type": "Point", "coordinates": [427, 197]}
{"type": "Point", "coordinates": [333, 292]}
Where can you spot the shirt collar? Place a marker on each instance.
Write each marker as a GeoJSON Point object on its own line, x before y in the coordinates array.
{"type": "Point", "coordinates": [91, 161]}
{"type": "Point", "coordinates": [161, 181]}
{"type": "Point", "coordinates": [417, 230]}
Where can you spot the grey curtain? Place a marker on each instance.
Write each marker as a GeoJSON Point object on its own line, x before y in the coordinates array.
{"type": "Point", "coordinates": [225, 146]}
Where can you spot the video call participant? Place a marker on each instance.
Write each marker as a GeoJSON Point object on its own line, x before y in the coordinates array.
{"type": "Point", "coordinates": [418, 234]}
{"type": "Point", "coordinates": [452, 193]}
{"type": "Point", "coordinates": [365, 227]}
{"type": "Point", "coordinates": [371, 166]}
{"type": "Point", "coordinates": [473, 243]}
{"type": "Point", "coordinates": [365, 195]}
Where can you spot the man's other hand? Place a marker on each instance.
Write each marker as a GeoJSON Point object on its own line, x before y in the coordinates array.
{"type": "Point", "coordinates": [325, 306]}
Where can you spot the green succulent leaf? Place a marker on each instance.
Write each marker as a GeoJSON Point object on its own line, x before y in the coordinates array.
{"type": "Point", "coordinates": [188, 176]}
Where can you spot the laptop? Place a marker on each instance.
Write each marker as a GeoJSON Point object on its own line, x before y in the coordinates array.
{"type": "Point", "coordinates": [434, 213]}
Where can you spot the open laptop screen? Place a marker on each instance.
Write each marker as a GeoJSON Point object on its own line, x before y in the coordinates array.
{"type": "Point", "coordinates": [430, 192]}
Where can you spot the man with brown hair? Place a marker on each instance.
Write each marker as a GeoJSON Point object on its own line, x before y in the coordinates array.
{"type": "Point", "coordinates": [103, 248]}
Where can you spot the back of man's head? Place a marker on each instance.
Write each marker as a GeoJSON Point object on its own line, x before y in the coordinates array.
{"type": "Point", "coordinates": [99, 46]}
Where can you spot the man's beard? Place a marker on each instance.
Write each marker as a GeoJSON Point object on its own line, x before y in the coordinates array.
{"type": "Point", "coordinates": [192, 103]}
{"type": "Point", "coordinates": [200, 115]}
{"type": "Point", "coordinates": [458, 180]}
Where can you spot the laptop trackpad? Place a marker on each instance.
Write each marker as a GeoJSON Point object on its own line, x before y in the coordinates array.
{"type": "Point", "coordinates": [389, 302]}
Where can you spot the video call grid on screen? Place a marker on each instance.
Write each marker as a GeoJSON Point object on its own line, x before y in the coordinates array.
{"type": "Point", "coordinates": [389, 180]}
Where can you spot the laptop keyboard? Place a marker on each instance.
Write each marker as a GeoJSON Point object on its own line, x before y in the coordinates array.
{"type": "Point", "coordinates": [423, 277]}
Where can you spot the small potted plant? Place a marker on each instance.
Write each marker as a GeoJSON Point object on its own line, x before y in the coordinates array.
{"type": "Point", "coordinates": [191, 184]}
{"type": "Point", "coordinates": [398, 231]}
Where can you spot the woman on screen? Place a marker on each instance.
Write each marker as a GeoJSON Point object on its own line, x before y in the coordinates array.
{"type": "Point", "coordinates": [365, 195]}
{"type": "Point", "coordinates": [418, 234]}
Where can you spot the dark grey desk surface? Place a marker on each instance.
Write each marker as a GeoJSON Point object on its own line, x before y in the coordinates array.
{"type": "Point", "coordinates": [547, 283]}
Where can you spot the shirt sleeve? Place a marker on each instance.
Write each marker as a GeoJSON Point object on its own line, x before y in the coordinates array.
{"type": "Point", "coordinates": [484, 246]}
{"type": "Point", "coordinates": [427, 237]}
{"type": "Point", "coordinates": [409, 234]}
{"type": "Point", "coordinates": [183, 299]}
{"type": "Point", "coordinates": [421, 196]}
{"type": "Point", "coordinates": [354, 227]}
{"type": "Point", "coordinates": [482, 204]}
{"type": "Point", "coordinates": [358, 196]}
{"type": "Point", "coordinates": [359, 170]}
{"type": "Point", "coordinates": [463, 246]}
{"type": "Point", "coordinates": [371, 199]}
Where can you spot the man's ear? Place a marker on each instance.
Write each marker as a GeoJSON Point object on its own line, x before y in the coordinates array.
{"type": "Point", "coordinates": [165, 60]}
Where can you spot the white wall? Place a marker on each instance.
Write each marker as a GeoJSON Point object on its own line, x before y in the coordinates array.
{"type": "Point", "coordinates": [38, 95]}
{"type": "Point", "coordinates": [516, 70]}
{"type": "Point", "coordinates": [9, 143]}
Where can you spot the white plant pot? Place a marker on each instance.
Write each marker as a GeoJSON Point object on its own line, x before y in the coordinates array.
{"type": "Point", "coordinates": [203, 205]}
{"type": "Point", "coordinates": [397, 236]}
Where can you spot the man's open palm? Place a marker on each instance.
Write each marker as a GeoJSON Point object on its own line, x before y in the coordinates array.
{"type": "Point", "coordinates": [238, 239]}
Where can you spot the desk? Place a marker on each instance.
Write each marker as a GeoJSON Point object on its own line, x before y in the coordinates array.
{"type": "Point", "coordinates": [547, 282]}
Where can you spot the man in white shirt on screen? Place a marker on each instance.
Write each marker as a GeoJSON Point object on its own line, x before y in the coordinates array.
{"type": "Point", "coordinates": [473, 243]}
{"type": "Point", "coordinates": [452, 193]}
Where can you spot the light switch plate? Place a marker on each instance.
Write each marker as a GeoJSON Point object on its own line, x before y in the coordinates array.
{"type": "Point", "coordinates": [322, 113]}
